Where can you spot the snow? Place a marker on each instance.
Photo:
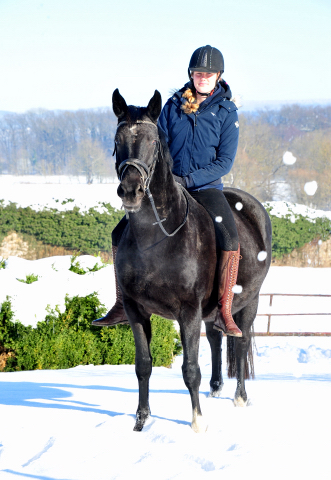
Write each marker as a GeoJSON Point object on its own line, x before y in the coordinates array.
{"type": "Point", "coordinates": [76, 424]}
{"type": "Point", "coordinates": [34, 191]}
{"type": "Point", "coordinates": [289, 158]}
{"type": "Point", "coordinates": [237, 289]}
{"type": "Point", "coordinates": [54, 282]}
{"type": "Point", "coordinates": [281, 209]}
{"type": "Point", "coordinates": [261, 256]}
{"type": "Point", "coordinates": [310, 188]}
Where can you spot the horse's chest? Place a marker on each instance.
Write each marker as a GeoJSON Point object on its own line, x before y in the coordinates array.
{"type": "Point", "coordinates": [138, 277]}
{"type": "Point", "coordinates": [161, 280]}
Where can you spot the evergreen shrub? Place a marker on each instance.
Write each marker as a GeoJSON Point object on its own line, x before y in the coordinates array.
{"type": "Point", "coordinates": [86, 232]}
{"type": "Point", "coordinates": [30, 278]}
{"type": "Point", "coordinates": [90, 232]}
{"type": "Point", "coordinates": [288, 235]}
{"type": "Point", "coordinates": [76, 267]}
{"type": "Point", "coordinates": [65, 340]}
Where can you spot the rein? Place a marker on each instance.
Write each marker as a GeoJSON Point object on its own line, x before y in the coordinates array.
{"type": "Point", "coordinates": [146, 174]}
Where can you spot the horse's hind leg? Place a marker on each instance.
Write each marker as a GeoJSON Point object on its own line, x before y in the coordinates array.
{"type": "Point", "coordinates": [244, 319]}
{"type": "Point", "coordinates": [190, 338]}
{"type": "Point", "coordinates": [215, 341]}
{"type": "Point", "coordinates": [141, 328]}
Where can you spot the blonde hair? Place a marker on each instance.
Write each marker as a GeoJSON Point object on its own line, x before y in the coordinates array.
{"type": "Point", "coordinates": [191, 106]}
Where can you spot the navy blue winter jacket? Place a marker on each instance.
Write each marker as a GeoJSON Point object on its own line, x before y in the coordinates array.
{"type": "Point", "coordinates": [203, 144]}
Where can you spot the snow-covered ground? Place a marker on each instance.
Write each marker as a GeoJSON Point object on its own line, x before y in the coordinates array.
{"type": "Point", "coordinates": [76, 424]}
{"type": "Point", "coordinates": [36, 192]}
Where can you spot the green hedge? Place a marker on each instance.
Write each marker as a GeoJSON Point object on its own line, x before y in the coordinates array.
{"type": "Point", "coordinates": [65, 340]}
{"type": "Point", "coordinates": [90, 232]}
{"type": "Point", "coordinates": [288, 235]}
{"type": "Point", "coordinates": [87, 232]}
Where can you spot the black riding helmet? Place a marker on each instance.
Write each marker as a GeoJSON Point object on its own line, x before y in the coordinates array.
{"type": "Point", "coordinates": [206, 59]}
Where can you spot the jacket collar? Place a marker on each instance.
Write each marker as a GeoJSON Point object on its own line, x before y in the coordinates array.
{"type": "Point", "coordinates": [221, 92]}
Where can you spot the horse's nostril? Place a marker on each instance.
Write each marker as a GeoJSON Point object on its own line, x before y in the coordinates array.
{"type": "Point", "coordinates": [120, 191]}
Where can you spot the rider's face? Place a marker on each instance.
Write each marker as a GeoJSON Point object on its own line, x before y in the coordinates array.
{"type": "Point", "coordinates": [204, 82]}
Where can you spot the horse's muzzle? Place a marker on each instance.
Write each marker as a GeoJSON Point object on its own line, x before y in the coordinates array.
{"type": "Point", "coordinates": [131, 196]}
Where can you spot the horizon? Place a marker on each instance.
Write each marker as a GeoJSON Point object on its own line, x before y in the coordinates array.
{"type": "Point", "coordinates": [249, 107]}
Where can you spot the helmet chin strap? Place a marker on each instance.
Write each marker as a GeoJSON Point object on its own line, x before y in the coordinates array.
{"type": "Point", "coordinates": [205, 94]}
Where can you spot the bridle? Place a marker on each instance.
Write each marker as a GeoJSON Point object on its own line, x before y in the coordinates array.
{"type": "Point", "coordinates": [146, 174]}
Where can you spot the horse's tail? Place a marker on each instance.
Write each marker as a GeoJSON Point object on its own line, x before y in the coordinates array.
{"type": "Point", "coordinates": [231, 357]}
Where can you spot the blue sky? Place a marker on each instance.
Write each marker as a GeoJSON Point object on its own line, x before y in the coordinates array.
{"type": "Point", "coordinates": [71, 54]}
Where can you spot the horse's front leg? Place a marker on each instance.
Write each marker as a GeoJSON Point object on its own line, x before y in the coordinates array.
{"type": "Point", "coordinates": [190, 326]}
{"type": "Point", "coordinates": [215, 341]}
{"type": "Point", "coordinates": [141, 328]}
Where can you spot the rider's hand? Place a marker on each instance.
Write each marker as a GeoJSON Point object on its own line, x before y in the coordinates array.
{"type": "Point", "coordinates": [180, 180]}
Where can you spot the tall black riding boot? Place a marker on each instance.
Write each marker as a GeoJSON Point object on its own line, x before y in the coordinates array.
{"type": "Point", "coordinates": [115, 316]}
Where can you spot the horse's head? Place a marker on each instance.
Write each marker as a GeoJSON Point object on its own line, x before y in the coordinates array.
{"type": "Point", "coordinates": [137, 147]}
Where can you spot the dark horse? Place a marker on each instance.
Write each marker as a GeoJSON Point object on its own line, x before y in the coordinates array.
{"type": "Point", "coordinates": [166, 259]}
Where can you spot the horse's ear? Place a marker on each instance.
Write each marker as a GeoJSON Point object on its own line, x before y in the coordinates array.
{"type": "Point", "coordinates": [120, 107]}
{"type": "Point", "coordinates": [154, 106]}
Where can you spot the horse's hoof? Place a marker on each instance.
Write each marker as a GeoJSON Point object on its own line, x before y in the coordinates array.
{"type": "Point", "coordinates": [198, 424]}
{"type": "Point", "coordinates": [141, 419]}
{"type": "Point", "coordinates": [240, 402]}
{"type": "Point", "coordinates": [138, 426]}
{"type": "Point", "coordinates": [215, 393]}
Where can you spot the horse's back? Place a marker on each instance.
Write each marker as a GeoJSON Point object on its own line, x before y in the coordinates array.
{"type": "Point", "coordinates": [254, 230]}
{"type": "Point", "coordinates": [249, 212]}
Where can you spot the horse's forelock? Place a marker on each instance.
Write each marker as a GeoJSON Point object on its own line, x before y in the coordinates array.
{"type": "Point", "coordinates": [134, 114]}
{"type": "Point", "coordinates": [140, 113]}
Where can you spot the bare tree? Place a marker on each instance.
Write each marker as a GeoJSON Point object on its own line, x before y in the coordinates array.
{"type": "Point", "coordinates": [90, 161]}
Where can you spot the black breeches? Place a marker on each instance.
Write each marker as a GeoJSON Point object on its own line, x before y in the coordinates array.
{"type": "Point", "coordinates": [218, 208]}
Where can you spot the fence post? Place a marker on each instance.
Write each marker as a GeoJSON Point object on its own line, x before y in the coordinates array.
{"type": "Point", "coordinates": [269, 316]}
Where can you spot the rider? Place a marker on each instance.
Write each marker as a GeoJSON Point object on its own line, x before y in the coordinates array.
{"type": "Point", "coordinates": [201, 126]}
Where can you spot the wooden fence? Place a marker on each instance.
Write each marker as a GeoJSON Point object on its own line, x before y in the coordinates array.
{"type": "Point", "coordinates": [270, 314]}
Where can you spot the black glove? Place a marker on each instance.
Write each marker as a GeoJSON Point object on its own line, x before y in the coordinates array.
{"type": "Point", "coordinates": [180, 180]}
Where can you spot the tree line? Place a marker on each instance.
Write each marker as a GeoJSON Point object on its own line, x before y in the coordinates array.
{"type": "Point", "coordinates": [47, 142]}
{"type": "Point", "coordinates": [81, 143]}
{"type": "Point", "coordinates": [264, 138]}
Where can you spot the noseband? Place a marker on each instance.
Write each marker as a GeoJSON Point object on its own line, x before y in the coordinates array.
{"type": "Point", "coordinates": [146, 174]}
